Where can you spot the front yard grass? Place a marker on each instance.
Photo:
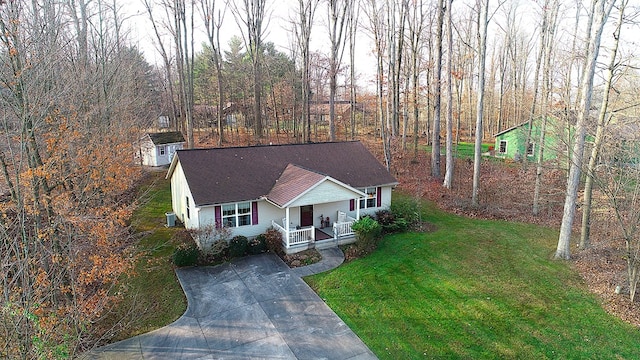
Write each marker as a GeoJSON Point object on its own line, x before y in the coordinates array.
{"type": "Point", "coordinates": [153, 297]}
{"type": "Point", "coordinates": [473, 289]}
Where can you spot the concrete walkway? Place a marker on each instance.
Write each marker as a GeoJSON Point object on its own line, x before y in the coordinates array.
{"type": "Point", "coordinates": [254, 307]}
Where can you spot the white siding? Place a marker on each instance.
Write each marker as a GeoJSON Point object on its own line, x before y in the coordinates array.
{"type": "Point", "coordinates": [330, 210]}
{"type": "Point", "coordinates": [148, 153]}
{"type": "Point", "coordinates": [179, 192]}
{"type": "Point", "coordinates": [386, 197]}
{"type": "Point", "coordinates": [266, 213]}
{"type": "Point", "coordinates": [327, 191]}
{"type": "Point", "coordinates": [169, 152]}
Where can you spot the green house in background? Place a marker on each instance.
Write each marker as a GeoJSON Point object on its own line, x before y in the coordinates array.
{"type": "Point", "coordinates": [512, 143]}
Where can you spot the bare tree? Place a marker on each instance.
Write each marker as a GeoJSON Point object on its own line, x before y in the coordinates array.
{"type": "Point", "coordinates": [448, 177]}
{"type": "Point", "coordinates": [618, 178]}
{"type": "Point", "coordinates": [435, 142]}
{"type": "Point", "coordinates": [337, 11]}
{"type": "Point", "coordinates": [302, 30]}
{"type": "Point", "coordinates": [415, 21]}
{"type": "Point", "coordinates": [604, 8]}
{"type": "Point", "coordinates": [213, 22]}
{"type": "Point", "coordinates": [167, 65]}
{"type": "Point", "coordinates": [66, 164]}
{"type": "Point", "coordinates": [396, 15]}
{"type": "Point", "coordinates": [182, 31]}
{"type": "Point", "coordinates": [547, 35]}
{"type": "Point", "coordinates": [603, 119]}
{"type": "Point", "coordinates": [483, 22]}
{"type": "Point", "coordinates": [354, 10]}
{"type": "Point", "coordinates": [250, 15]}
{"type": "Point", "coordinates": [376, 17]}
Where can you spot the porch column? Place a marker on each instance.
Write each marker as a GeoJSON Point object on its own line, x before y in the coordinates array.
{"type": "Point", "coordinates": [287, 217]}
{"type": "Point", "coordinates": [358, 209]}
{"type": "Point", "coordinates": [286, 225]}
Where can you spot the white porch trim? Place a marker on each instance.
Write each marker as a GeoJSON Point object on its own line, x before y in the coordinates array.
{"type": "Point", "coordinates": [299, 239]}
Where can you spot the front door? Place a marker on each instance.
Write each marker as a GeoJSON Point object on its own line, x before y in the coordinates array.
{"type": "Point", "coordinates": [306, 215]}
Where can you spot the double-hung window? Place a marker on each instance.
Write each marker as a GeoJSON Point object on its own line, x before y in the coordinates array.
{"type": "Point", "coordinates": [234, 215]}
{"type": "Point", "coordinates": [371, 199]}
{"type": "Point", "coordinates": [502, 148]}
{"type": "Point", "coordinates": [162, 149]}
{"type": "Point", "coordinates": [530, 149]}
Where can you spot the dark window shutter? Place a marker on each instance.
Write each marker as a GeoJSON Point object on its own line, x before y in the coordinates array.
{"type": "Point", "coordinates": [379, 195]}
{"type": "Point", "coordinates": [218, 217]}
{"type": "Point", "coordinates": [254, 213]}
{"type": "Point", "coordinates": [352, 205]}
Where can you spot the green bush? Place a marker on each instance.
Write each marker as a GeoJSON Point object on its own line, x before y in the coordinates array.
{"type": "Point", "coordinates": [399, 225]}
{"type": "Point", "coordinates": [258, 244]}
{"type": "Point", "coordinates": [186, 255]}
{"type": "Point", "coordinates": [408, 209]}
{"type": "Point", "coordinates": [238, 246]}
{"type": "Point", "coordinates": [367, 231]}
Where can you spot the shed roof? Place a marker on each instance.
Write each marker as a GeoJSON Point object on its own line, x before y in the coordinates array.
{"type": "Point", "coordinates": [224, 175]}
{"type": "Point", "coordinates": [170, 137]}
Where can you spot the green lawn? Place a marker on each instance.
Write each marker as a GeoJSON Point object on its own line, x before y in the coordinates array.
{"type": "Point", "coordinates": [153, 296]}
{"type": "Point", "coordinates": [473, 289]}
{"type": "Point", "coordinates": [463, 150]}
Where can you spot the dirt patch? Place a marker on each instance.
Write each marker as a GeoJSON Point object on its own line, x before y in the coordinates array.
{"type": "Point", "coordinates": [302, 258]}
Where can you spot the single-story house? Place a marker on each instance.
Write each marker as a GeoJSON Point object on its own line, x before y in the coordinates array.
{"type": "Point", "coordinates": [312, 193]}
{"type": "Point", "coordinates": [158, 149]}
{"type": "Point", "coordinates": [512, 143]}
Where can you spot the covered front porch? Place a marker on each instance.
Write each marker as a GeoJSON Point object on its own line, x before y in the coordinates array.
{"type": "Point", "coordinates": [298, 238]}
{"type": "Point", "coordinates": [316, 210]}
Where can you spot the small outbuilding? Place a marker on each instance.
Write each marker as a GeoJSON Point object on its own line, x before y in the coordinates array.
{"type": "Point", "coordinates": [512, 143]}
{"type": "Point", "coordinates": [158, 149]}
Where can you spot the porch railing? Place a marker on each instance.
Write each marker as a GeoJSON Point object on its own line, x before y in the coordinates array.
{"type": "Point", "coordinates": [295, 236]}
{"type": "Point", "coordinates": [342, 229]}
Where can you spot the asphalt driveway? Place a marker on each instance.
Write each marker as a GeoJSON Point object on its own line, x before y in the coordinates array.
{"type": "Point", "coordinates": [254, 307]}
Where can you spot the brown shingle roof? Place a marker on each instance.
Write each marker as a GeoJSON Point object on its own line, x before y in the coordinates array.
{"type": "Point", "coordinates": [224, 175]}
{"type": "Point", "coordinates": [293, 182]}
{"type": "Point", "coordinates": [166, 137]}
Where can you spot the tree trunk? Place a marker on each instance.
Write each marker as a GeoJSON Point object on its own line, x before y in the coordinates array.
{"type": "Point", "coordinates": [448, 177]}
{"type": "Point", "coordinates": [550, 18]}
{"type": "Point", "coordinates": [563, 250]}
{"type": "Point", "coordinates": [353, 24]}
{"type": "Point", "coordinates": [483, 22]}
{"type": "Point", "coordinates": [337, 19]}
{"type": "Point", "coordinates": [600, 130]}
{"type": "Point", "coordinates": [435, 142]}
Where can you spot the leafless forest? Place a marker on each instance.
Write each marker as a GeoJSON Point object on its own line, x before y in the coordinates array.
{"type": "Point", "coordinates": [77, 92]}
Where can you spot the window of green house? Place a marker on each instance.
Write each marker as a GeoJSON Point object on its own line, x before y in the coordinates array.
{"type": "Point", "coordinates": [503, 147]}
{"type": "Point", "coordinates": [530, 149]}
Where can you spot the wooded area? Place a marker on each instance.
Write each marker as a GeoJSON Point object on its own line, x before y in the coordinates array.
{"type": "Point", "coordinates": [77, 94]}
